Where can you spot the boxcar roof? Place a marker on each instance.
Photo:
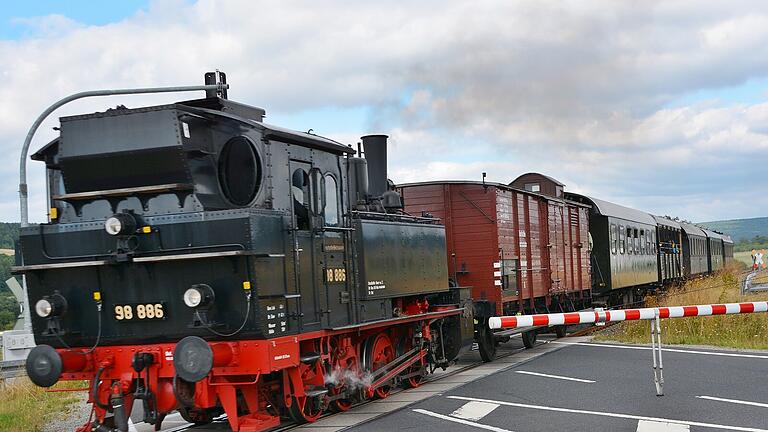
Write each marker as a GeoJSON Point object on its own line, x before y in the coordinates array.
{"type": "Point", "coordinates": [490, 184]}
{"type": "Point", "coordinates": [606, 208]}
{"type": "Point", "coordinates": [692, 229]}
{"type": "Point", "coordinates": [661, 220]}
{"type": "Point", "coordinates": [535, 174]}
{"type": "Point", "coordinates": [727, 239]}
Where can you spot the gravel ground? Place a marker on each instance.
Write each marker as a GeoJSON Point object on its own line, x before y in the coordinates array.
{"type": "Point", "coordinates": [71, 420]}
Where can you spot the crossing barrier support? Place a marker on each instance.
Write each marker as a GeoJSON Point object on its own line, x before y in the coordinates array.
{"type": "Point", "coordinates": [654, 315]}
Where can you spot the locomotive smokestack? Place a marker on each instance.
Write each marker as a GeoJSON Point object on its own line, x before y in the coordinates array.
{"type": "Point", "coordinates": [375, 147]}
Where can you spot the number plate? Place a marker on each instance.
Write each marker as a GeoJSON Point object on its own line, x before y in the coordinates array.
{"type": "Point", "coordinates": [335, 275]}
{"type": "Point", "coordinates": [139, 311]}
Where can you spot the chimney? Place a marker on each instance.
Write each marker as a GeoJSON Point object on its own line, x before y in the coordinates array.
{"type": "Point", "coordinates": [375, 148]}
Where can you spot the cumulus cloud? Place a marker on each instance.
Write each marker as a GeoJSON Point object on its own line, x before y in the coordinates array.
{"type": "Point", "coordinates": [584, 91]}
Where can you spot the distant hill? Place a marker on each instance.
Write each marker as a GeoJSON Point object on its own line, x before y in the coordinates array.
{"type": "Point", "coordinates": [740, 229]}
{"type": "Point", "coordinates": [9, 232]}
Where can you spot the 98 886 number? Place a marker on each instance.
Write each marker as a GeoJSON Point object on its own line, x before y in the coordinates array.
{"type": "Point", "coordinates": [139, 311]}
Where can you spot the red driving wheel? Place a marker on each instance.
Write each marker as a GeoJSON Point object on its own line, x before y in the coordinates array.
{"type": "Point", "coordinates": [381, 354]}
{"type": "Point", "coordinates": [303, 409]}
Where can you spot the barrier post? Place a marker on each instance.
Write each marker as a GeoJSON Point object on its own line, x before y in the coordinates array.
{"type": "Point", "coordinates": [658, 365]}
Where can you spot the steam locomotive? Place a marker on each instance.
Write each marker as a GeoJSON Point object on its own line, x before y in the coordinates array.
{"type": "Point", "coordinates": [198, 259]}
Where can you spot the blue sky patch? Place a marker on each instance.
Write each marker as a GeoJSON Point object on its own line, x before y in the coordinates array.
{"type": "Point", "coordinates": [85, 12]}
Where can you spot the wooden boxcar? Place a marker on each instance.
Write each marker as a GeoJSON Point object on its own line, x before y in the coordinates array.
{"type": "Point", "coordinates": [695, 261]}
{"type": "Point", "coordinates": [669, 235]}
{"type": "Point", "coordinates": [520, 251]}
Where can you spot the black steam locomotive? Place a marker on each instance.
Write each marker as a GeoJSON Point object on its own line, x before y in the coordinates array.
{"type": "Point", "coordinates": [200, 260]}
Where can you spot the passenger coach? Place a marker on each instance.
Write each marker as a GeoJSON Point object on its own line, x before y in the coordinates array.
{"type": "Point", "coordinates": [669, 234]}
{"type": "Point", "coordinates": [624, 250]}
{"type": "Point", "coordinates": [695, 261]}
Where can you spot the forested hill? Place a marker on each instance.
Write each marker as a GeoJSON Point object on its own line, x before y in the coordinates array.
{"type": "Point", "coordinates": [740, 229]}
{"type": "Point", "coordinates": [9, 232]}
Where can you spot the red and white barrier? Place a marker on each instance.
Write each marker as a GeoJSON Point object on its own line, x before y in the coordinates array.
{"type": "Point", "coordinates": [510, 322]}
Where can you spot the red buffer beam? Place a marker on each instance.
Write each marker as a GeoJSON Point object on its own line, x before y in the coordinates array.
{"type": "Point", "coordinates": [510, 322]}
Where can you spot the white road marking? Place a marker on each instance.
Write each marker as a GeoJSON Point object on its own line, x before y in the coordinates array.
{"type": "Point", "coordinates": [460, 421]}
{"type": "Point", "coordinates": [736, 401]}
{"type": "Point", "coordinates": [654, 426]}
{"type": "Point", "coordinates": [555, 376]}
{"type": "Point", "coordinates": [723, 354]}
{"type": "Point", "coordinates": [474, 410]}
{"type": "Point", "coordinates": [614, 415]}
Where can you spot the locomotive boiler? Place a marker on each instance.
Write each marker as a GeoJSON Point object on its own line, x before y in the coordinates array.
{"type": "Point", "coordinates": [198, 259]}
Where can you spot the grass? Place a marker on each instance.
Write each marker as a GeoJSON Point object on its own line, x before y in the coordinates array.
{"type": "Point", "coordinates": [748, 331]}
{"type": "Point", "coordinates": [26, 407]}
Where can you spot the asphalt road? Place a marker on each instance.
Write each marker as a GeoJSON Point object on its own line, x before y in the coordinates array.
{"type": "Point", "coordinates": [601, 387]}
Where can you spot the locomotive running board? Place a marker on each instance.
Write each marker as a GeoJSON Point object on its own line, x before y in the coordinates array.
{"type": "Point", "coordinates": [402, 318]}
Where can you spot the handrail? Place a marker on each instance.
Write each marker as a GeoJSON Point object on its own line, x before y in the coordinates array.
{"type": "Point", "coordinates": [23, 192]}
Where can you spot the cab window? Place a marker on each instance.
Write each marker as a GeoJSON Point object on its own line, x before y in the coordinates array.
{"type": "Point", "coordinates": [331, 201]}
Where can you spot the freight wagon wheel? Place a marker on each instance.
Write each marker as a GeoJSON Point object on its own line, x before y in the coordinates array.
{"type": "Point", "coordinates": [379, 352]}
{"type": "Point", "coordinates": [486, 345]}
{"type": "Point", "coordinates": [560, 331]}
{"type": "Point", "coordinates": [305, 409]}
{"type": "Point", "coordinates": [529, 338]}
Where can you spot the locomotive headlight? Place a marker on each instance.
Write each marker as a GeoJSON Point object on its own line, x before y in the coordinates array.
{"type": "Point", "coordinates": [53, 305]}
{"type": "Point", "coordinates": [43, 308]}
{"type": "Point", "coordinates": [193, 297]}
{"type": "Point", "coordinates": [120, 224]}
{"type": "Point", "coordinates": [198, 295]}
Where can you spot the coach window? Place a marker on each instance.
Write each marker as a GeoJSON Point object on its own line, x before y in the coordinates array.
{"type": "Point", "coordinates": [621, 239]}
{"type": "Point", "coordinates": [614, 239]}
{"type": "Point", "coordinates": [331, 201]}
{"type": "Point", "coordinates": [636, 240]}
{"type": "Point", "coordinates": [643, 247]}
{"type": "Point", "coordinates": [630, 241]}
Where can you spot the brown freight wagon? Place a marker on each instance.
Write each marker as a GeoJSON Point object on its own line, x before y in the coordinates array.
{"type": "Point", "coordinates": [522, 247]}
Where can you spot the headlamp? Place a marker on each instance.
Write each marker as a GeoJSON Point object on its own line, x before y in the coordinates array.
{"type": "Point", "coordinates": [120, 224]}
{"type": "Point", "coordinates": [198, 295]}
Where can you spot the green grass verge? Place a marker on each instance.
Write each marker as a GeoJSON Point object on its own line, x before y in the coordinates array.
{"type": "Point", "coordinates": [748, 331]}
{"type": "Point", "coordinates": [26, 407]}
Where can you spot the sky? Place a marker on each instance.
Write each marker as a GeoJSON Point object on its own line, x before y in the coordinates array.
{"type": "Point", "coordinates": [657, 105]}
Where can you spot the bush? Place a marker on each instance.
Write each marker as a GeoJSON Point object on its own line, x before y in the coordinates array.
{"type": "Point", "coordinates": [734, 331]}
